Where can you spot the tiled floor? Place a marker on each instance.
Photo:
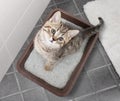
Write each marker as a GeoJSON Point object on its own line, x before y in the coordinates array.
{"type": "Point", "coordinates": [97, 82]}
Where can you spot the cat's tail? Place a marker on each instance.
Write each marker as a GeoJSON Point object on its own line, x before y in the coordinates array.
{"type": "Point", "coordinates": [88, 32]}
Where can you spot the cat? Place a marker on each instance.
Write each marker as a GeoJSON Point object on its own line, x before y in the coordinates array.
{"type": "Point", "coordinates": [55, 39]}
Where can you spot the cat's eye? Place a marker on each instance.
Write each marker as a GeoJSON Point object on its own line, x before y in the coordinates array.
{"type": "Point", "coordinates": [60, 38]}
{"type": "Point", "coordinates": [53, 31]}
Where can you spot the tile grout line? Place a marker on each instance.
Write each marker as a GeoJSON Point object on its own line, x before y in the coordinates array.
{"type": "Point", "coordinates": [78, 13]}
{"type": "Point", "coordinates": [14, 64]}
{"type": "Point", "coordinates": [38, 26]}
{"type": "Point", "coordinates": [55, 4]}
{"type": "Point", "coordinates": [83, 96]}
{"type": "Point", "coordinates": [10, 73]}
{"type": "Point", "coordinates": [84, 15]}
{"type": "Point", "coordinates": [98, 68]}
{"type": "Point", "coordinates": [45, 93]}
{"type": "Point", "coordinates": [102, 52]}
{"type": "Point", "coordinates": [61, 2]}
{"type": "Point", "coordinates": [19, 92]}
{"type": "Point", "coordinates": [51, 5]}
{"type": "Point", "coordinates": [92, 84]}
{"type": "Point", "coordinates": [76, 6]}
{"type": "Point", "coordinates": [105, 89]}
{"type": "Point", "coordinates": [29, 89]}
{"type": "Point", "coordinates": [19, 86]}
{"type": "Point", "coordinates": [9, 95]}
{"type": "Point", "coordinates": [96, 94]}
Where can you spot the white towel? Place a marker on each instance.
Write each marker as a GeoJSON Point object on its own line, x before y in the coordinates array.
{"type": "Point", "coordinates": [109, 10]}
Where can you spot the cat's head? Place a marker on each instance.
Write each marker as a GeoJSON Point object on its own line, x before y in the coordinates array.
{"type": "Point", "coordinates": [55, 33]}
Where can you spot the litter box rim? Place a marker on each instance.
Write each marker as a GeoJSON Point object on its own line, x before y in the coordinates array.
{"type": "Point", "coordinates": [75, 74]}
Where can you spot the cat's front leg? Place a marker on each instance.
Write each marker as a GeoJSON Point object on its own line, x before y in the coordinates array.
{"type": "Point", "coordinates": [49, 65]}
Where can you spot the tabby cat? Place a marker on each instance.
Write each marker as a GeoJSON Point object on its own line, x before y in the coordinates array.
{"type": "Point", "coordinates": [56, 39]}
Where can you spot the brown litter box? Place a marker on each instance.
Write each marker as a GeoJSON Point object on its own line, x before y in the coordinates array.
{"type": "Point", "coordinates": [66, 90]}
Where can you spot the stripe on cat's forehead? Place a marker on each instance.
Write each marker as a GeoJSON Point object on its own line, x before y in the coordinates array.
{"type": "Point", "coordinates": [47, 26]}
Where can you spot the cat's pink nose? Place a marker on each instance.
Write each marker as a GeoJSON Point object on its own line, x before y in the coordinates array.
{"type": "Point", "coordinates": [51, 40]}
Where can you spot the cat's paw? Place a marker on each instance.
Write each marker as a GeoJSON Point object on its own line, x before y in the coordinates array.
{"type": "Point", "coordinates": [48, 68]}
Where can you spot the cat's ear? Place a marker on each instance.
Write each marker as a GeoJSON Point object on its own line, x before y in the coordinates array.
{"type": "Point", "coordinates": [56, 18]}
{"type": "Point", "coordinates": [73, 33]}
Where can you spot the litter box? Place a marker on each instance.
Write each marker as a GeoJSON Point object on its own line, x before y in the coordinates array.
{"type": "Point", "coordinates": [78, 68]}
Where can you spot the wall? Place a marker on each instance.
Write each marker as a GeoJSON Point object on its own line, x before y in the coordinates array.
{"type": "Point", "coordinates": [17, 19]}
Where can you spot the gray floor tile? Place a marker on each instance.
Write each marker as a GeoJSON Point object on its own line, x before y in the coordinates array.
{"type": "Point", "coordinates": [25, 83]}
{"type": "Point", "coordinates": [82, 87]}
{"type": "Point", "coordinates": [110, 95]}
{"type": "Point", "coordinates": [8, 85]}
{"type": "Point", "coordinates": [13, 98]}
{"type": "Point", "coordinates": [35, 95]}
{"type": "Point", "coordinates": [61, 1]}
{"type": "Point", "coordinates": [52, 97]}
{"type": "Point", "coordinates": [47, 12]}
{"type": "Point", "coordinates": [101, 78]}
{"type": "Point", "coordinates": [104, 54]}
{"type": "Point", "coordinates": [94, 60]}
{"type": "Point", "coordinates": [88, 98]}
{"type": "Point", "coordinates": [68, 7]}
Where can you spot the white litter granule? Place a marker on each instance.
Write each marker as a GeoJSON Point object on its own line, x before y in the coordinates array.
{"type": "Point", "coordinates": [110, 36]}
{"type": "Point", "coordinates": [61, 73]}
